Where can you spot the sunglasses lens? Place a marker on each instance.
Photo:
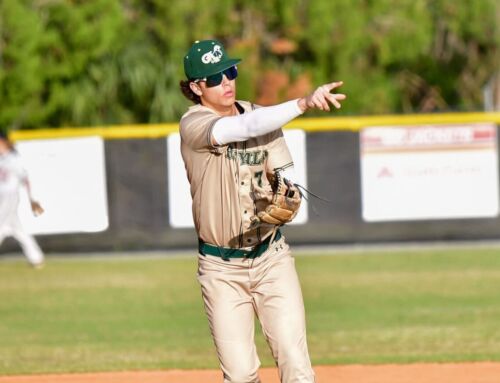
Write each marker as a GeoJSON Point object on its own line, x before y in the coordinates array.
{"type": "Point", "coordinates": [231, 73]}
{"type": "Point", "coordinates": [216, 79]}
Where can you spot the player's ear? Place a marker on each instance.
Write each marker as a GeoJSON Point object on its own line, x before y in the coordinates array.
{"type": "Point", "coordinates": [195, 88]}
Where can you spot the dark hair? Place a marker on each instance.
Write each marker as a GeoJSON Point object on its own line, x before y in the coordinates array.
{"type": "Point", "coordinates": [8, 142]}
{"type": "Point", "coordinates": [188, 93]}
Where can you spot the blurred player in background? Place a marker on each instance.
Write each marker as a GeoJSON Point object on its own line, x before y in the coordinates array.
{"type": "Point", "coordinates": [12, 178]}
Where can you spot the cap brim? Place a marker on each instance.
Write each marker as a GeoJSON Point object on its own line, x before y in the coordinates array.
{"type": "Point", "coordinates": [223, 66]}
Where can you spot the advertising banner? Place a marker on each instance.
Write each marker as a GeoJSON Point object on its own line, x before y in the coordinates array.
{"type": "Point", "coordinates": [429, 172]}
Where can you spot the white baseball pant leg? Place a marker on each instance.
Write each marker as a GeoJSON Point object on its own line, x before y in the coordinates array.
{"type": "Point", "coordinates": [28, 243]}
{"type": "Point", "coordinates": [233, 291]}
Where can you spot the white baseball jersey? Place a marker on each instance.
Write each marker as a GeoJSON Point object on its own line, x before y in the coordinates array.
{"type": "Point", "coordinates": [12, 178]}
{"type": "Point", "coordinates": [229, 183]}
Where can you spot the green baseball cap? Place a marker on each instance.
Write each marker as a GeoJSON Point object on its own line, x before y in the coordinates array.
{"type": "Point", "coordinates": [205, 58]}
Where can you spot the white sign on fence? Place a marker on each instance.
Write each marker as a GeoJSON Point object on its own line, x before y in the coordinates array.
{"type": "Point", "coordinates": [68, 178]}
{"type": "Point", "coordinates": [429, 172]}
{"type": "Point", "coordinates": [179, 196]}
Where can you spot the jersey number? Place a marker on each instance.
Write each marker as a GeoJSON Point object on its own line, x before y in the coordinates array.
{"type": "Point", "coordinates": [258, 176]}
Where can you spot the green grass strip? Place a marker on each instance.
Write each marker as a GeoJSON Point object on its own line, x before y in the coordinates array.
{"type": "Point", "coordinates": [109, 314]}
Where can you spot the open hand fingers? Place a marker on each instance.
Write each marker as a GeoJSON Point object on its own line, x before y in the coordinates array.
{"type": "Point", "coordinates": [320, 101]}
{"type": "Point", "coordinates": [333, 85]}
{"type": "Point", "coordinates": [315, 101]}
{"type": "Point", "coordinates": [324, 96]}
{"type": "Point", "coordinates": [321, 97]}
{"type": "Point", "coordinates": [335, 98]}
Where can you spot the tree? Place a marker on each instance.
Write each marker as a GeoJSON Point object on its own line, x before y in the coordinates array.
{"type": "Point", "coordinates": [102, 62]}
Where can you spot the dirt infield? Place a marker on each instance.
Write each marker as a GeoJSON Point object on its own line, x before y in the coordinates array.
{"type": "Point", "coordinates": [484, 372]}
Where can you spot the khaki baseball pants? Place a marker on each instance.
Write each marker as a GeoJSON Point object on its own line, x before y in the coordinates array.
{"type": "Point", "coordinates": [236, 290]}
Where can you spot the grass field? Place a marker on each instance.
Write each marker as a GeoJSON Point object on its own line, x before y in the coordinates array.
{"type": "Point", "coordinates": [121, 313]}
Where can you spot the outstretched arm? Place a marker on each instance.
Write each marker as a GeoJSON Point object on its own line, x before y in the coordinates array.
{"type": "Point", "coordinates": [267, 119]}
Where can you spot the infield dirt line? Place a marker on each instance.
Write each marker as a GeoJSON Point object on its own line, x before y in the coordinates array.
{"type": "Point", "coordinates": [481, 372]}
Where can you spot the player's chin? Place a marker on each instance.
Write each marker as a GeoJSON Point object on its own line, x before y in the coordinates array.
{"type": "Point", "coordinates": [228, 100]}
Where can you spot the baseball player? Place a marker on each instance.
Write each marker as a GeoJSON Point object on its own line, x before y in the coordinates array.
{"type": "Point", "coordinates": [12, 178]}
{"type": "Point", "coordinates": [241, 176]}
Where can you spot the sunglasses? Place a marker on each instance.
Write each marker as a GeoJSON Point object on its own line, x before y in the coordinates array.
{"type": "Point", "coordinates": [215, 79]}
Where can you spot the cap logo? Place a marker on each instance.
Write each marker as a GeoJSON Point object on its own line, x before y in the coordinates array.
{"type": "Point", "coordinates": [212, 57]}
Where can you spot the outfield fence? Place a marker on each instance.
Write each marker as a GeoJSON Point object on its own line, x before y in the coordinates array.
{"type": "Point", "coordinates": [436, 178]}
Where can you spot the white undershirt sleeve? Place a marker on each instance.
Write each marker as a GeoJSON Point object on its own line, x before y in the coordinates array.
{"type": "Point", "coordinates": [255, 123]}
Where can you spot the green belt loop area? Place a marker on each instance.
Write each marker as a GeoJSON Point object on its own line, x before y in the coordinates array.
{"type": "Point", "coordinates": [227, 252]}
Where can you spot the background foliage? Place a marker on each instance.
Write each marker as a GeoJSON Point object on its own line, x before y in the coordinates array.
{"type": "Point", "coordinates": [100, 62]}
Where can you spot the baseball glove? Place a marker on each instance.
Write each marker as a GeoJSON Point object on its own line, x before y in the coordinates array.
{"type": "Point", "coordinates": [285, 202]}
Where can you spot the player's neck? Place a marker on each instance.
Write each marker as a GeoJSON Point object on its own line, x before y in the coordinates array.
{"type": "Point", "coordinates": [223, 110]}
